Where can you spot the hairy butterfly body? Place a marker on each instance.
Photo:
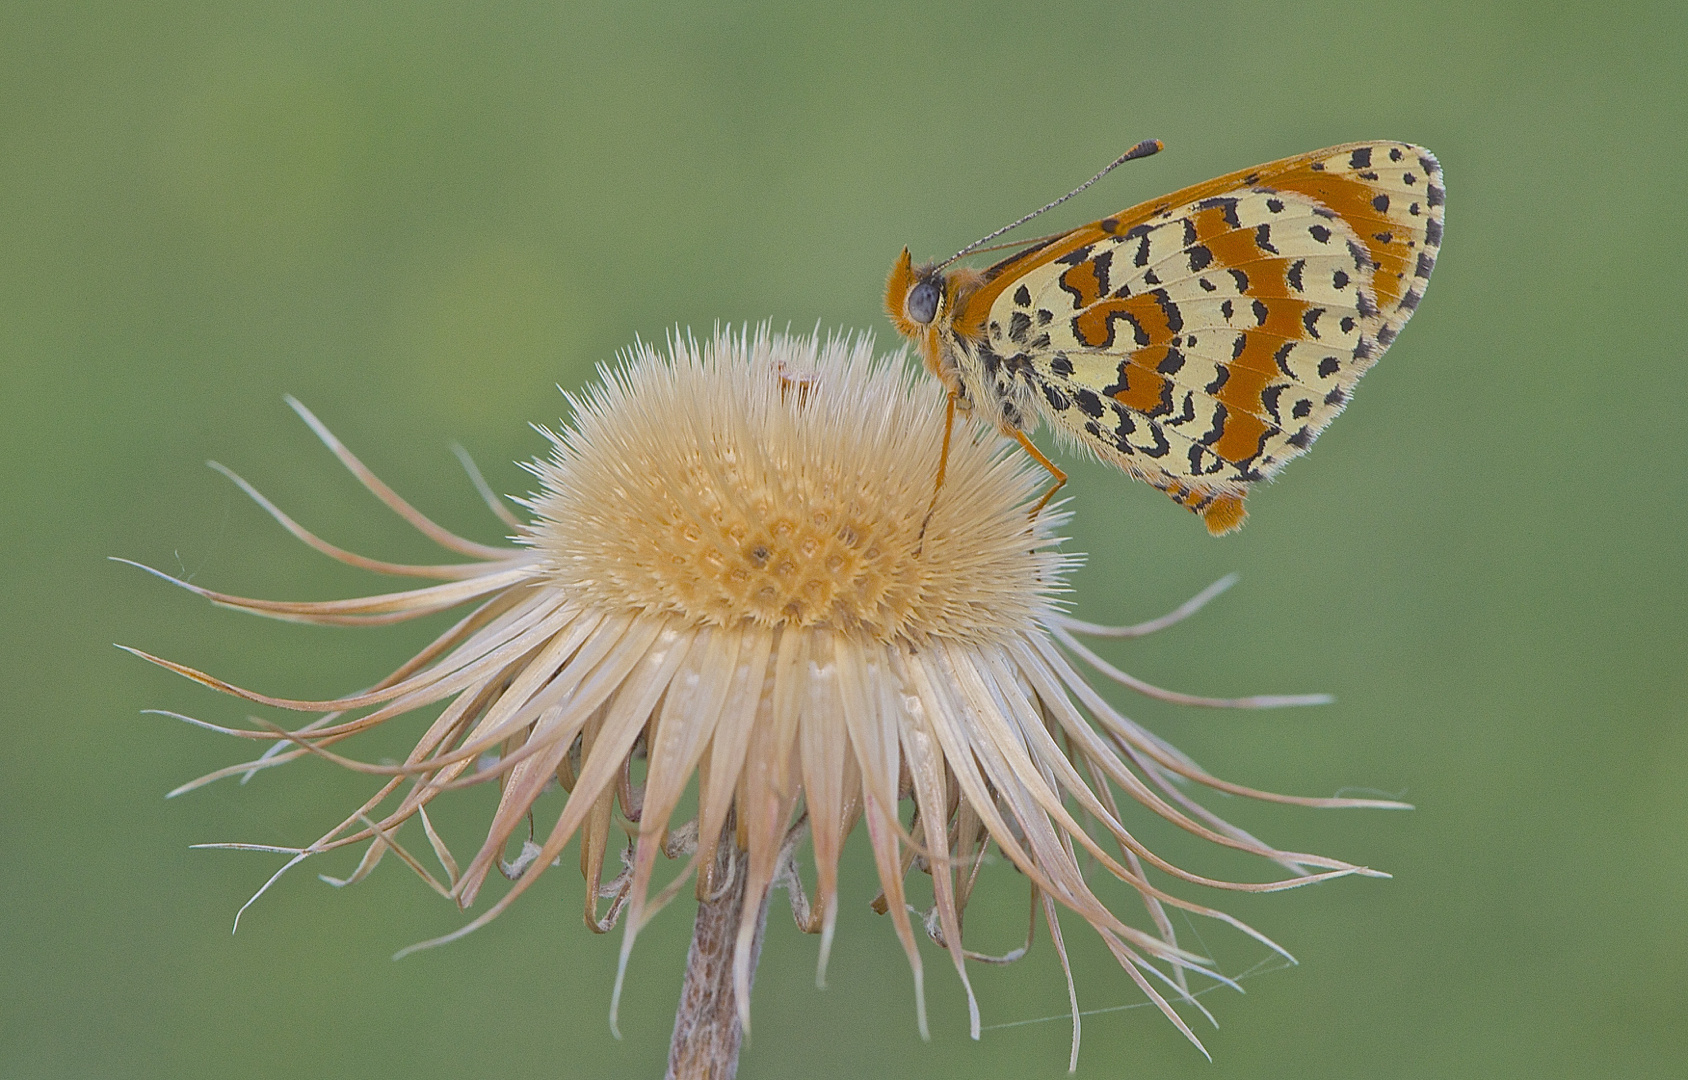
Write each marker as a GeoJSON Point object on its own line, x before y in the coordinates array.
{"type": "Point", "coordinates": [1199, 341]}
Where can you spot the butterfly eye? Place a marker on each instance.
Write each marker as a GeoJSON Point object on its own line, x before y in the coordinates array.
{"type": "Point", "coordinates": [923, 301]}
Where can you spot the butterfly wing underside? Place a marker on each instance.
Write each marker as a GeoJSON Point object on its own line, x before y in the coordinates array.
{"type": "Point", "coordinates": [1202, 341]}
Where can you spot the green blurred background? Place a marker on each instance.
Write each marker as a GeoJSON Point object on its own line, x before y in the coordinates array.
{"type": "Point", "coordinates": [419, 218]}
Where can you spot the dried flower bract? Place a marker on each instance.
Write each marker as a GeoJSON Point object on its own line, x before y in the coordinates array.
{"type": "Point", "coordinates": [723, 577]}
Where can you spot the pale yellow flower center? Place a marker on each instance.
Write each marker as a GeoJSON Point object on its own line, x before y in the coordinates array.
{"type": "Point", "coordinates": [725, 490]}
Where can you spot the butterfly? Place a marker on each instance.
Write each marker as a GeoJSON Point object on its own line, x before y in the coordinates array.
{"type": "Point", "coordinates": [1199, 341]}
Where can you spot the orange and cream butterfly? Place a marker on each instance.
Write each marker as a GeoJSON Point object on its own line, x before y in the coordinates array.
{"type": "Point", "coordinates": [1199, 341]}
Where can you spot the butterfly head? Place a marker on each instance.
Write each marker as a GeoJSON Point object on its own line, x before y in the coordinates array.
{"type": "Point", "coordinates": [926, 300]}
{"type": "Point", "coordinates": [915, 296]}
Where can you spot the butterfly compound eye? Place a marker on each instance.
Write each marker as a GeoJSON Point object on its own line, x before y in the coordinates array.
{"type": "Point", "coordinates": [922, 303]}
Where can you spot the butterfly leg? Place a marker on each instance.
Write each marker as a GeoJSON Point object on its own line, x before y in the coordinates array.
{"type": "Point", "coordinates": [943, 467]}
{"type": "Point", "coordinates": [1049, 466]}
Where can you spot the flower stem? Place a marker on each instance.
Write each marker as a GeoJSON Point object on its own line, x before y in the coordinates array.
{"type": "Point", "coordinates": [707, 1034]}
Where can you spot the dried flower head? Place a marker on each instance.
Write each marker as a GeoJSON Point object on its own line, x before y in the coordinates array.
{"type": "Point", "coordinates": [725, 577]}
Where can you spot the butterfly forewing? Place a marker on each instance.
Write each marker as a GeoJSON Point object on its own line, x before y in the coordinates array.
{"type": "Point", "coordinates": [1203, 340]}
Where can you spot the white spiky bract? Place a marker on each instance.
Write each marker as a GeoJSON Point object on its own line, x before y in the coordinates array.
{"type": "Point", "coordinates": [729, 574]}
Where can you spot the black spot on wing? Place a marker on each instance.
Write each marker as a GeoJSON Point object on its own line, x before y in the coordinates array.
{"type": "Point", "coordinates": [1200, 258]}
{"type": "Point", "coordinates": [1018, 324]}
{"type": "Point", "coordinates": [1102, 266]}
{"type": "Point", "coordinates": [1060, 365]}
{"type": "Point", "coordinates": [1111, 330]}
{"type": "Point", "coordinates": [1088, 403]}
{"type": "Point", "coordinates": [1164, 407]}
{"type": "Point", "coordinates": [1433, 233]}
{"type": "Point", "coordinates": [1281, 358]}
{"type": "Point", "coordinates": [1141, 256]}
{"type": "Point", "coordinates": [1174, 320]}
{"type": "Point", "coordinates": [1197, 452]}
{"type": "Point", "coordinates": [1360, 159]}
{"type": "Point", "coordinates": [1426, 263]}
{"type": "Point", "coordinates": [1023, 296]}
{"type": "Point", "coordinates": [1226, 206]}
{"type": "Point", "coordinates": [1215, 433]}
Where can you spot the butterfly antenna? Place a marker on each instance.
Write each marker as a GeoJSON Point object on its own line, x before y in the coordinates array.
{"type": "Point", "coordinates": [1143, 149]}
